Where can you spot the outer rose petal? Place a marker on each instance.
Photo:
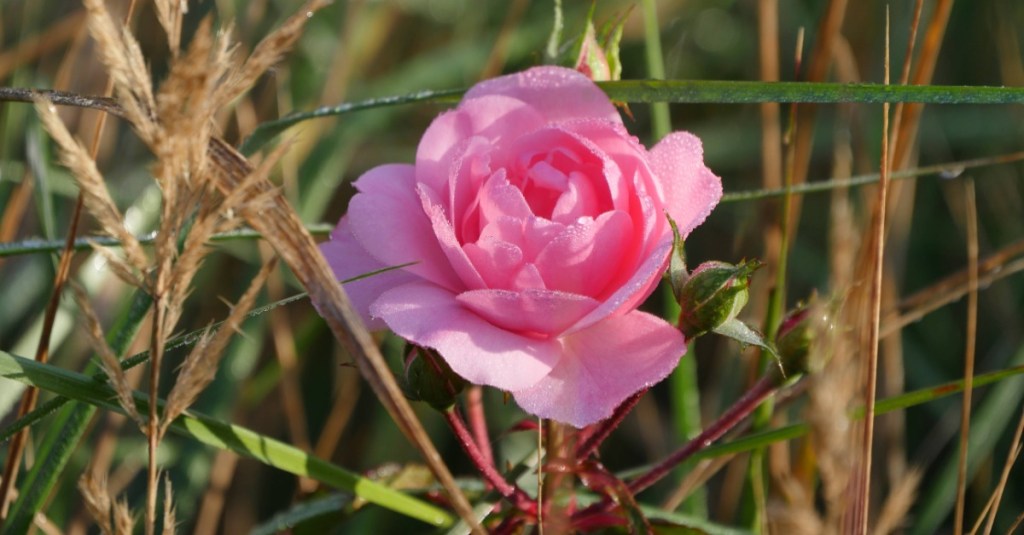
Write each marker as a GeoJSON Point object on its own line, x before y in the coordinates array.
{"type": "Point", "coordinates": [691, 189]}
{"type": "Point", "coordinates": [634, 291]}
{"type": "Point", "coordinates": [558, 93]}
{"type": "Point", "coordinates": [539, 311]}
{"type": "Point", "coordinates": [495, 118]}
{"type": "Point", "coordinates": [388, 220]}
{"type": "Point", "coordinates": [430, 316]}
{"type": "Point", "coordinates": [348, 259]}
{"type": "Point", "coordinates": [602, 366]}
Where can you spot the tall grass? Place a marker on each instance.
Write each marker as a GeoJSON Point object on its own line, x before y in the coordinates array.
{"type": "Point", "coordinates": [277, 427]}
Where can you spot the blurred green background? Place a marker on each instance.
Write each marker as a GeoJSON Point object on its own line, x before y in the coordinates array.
{"type": "Point", "coordinates": [356, 50]}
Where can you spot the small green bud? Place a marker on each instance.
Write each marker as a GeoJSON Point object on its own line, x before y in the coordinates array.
{"type": "Point", "coordinates": [428, 378]}
{"type": "Point", "coordinates": [715, 293]}
{"type": "Point", "coordinates": [794, 338]}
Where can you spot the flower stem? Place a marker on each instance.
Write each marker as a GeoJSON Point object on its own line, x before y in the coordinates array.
{"type": "Point", "coordinates": [605, 428]}
{"type": "Point", "coordinates": [517, 496]}
{"type": "Point", "coordinates": [478, 421]}
{"type": "Point", "coordinates": [739, 410]}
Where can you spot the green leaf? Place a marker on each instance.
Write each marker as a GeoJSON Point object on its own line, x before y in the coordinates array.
{"type": "Point", "coordinates": [223, 435]}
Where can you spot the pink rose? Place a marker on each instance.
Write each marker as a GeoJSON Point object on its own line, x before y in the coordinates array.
{"type": "Point", "coordinates": [537, 227]}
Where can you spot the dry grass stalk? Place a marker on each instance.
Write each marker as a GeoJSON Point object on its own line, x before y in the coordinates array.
{"type": "Point", "coordinates": [97, 198]}
{"type": "Point", "coordinates": [268, 52]}
{"type": "Point", "coordinates": [200, 367]}
{"type": "Point", "coordinates": [124, 522]}
{"type": "Point", "coordinates": [170, 14]}
{"type": "Point", "coordinates": [992, 507]}
{"type": "Point", "coordinates": [113, 518]}
{"type": "Point", "coordinates": [109, 361]}
{"type": "Point", "coordinates": [126, 67]}
{"type": "Point", "coordinates": [996, 266]}
{"type": "Point", "coordinates": [169, 510]}
{"type": "Point", "coordinates": [971, 209]}
{"type": "Point", "coordinates": [281, 226]}
{"type": "Point", "coordinates": [897, 505]}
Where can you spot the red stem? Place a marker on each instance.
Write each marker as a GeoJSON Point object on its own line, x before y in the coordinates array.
{"type": "Point", "coordinates": [602, 430]}
{"type": "Point", "coordinates": [478, 421]}
{"type": "Point", "coordinates": [739, 410]}
{"type": "Point", "coordinates": [514, 494]}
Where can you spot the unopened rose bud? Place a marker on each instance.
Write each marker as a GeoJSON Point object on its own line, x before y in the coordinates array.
{"type": "Point", "coordinates": [714, 294]}
{"type": "Point", "coordinates": [793, 340]}
{"type": "Point", "coordinates": [428, 378]}
{"type": "Point", "coordinates": [592, 60]}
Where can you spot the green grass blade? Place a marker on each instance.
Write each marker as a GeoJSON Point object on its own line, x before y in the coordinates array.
{"type": "Point", "coordinates": [763, 439]}
{"type": "Point", "coordinates": [302, 512]}
{"type": "Point", "coordinates": [34, 246]}
{"type": "Point", "coordinates": [64, 435]}
{"type": "Point", "coordinates": [989, 421]}
{"type": "Point", "coordinates": [270, 129]}
{"type": "Point", "coordinates": [212, 432]}
{"type": "Point", "coordinates": [690, 92]}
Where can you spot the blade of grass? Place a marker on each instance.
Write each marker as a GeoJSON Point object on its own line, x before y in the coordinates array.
{"type": "Point", "coordinates": [632, 91]}
{"type": "Point", "coordinates": [35, 246]}
{"type": "Point", "coordinates": [184, 340]}
{"type": "Point", "coordinates": [988, 423]}
{"type": "Point", "coordinates": [683, 91]}
{"type": "Point", "coordinates": [295, 516]}
{"type": "Point", "coordinates": [901, 402]}
{"type": "Point", "coordinates": [63, 436]}
{"type": "Point", "coordinates": [224, 436]}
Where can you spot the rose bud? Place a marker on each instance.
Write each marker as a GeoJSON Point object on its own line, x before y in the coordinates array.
{"type": "Point", "coordinates": [428, 378]}
{"type": "Point", "coordinates": [714, 294]}
{"type": "Point", "coordinates": [793, 340]}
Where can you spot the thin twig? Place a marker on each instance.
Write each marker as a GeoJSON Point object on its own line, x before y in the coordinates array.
{"type": "Point", "coordinates": [742, 408]}
{"type": "Point", "coordinates": [971, 209]}
{"type": "Point", "coordinates": [863, 477]}
{"type": "Point", "coordinates": [514, 494]}
{"type": "Point", "coordinates": [1011, 457]}
{"type": "Point", "coordinates": [605, 428]}
{"type": "Point", "coordinates": [478, 421]}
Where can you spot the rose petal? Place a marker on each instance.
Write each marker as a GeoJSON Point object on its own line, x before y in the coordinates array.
{"type": "Point", "coordinates": [444, 234]}
{"type": "Point", "coordinates": [387, 219]}
{"type": "Point", "coordinates": [530, 311]}
{"type": "Point", "coordinates": [430, 316]}
{"type": "Point", "coordinates": [348, 259]}
{"type": "Point", "coordinates": [497, 261]}
{"type": "Point", "coordinates": [691, 189]}
{"type": "Point", "coordinates": [587, 255]}
{"type": "Point", "coordinates": [499, 199]}
{"type": "Point", "coordinates": [496, 118]}
{"type": "Point", "coordinates": [557, 93]}
{"type": "Point", "coordinates": [602, 366]}
{"type": "Point", "coordinates": [633, 292]}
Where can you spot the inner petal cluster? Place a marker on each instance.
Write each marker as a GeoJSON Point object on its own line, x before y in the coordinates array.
{"type": "Point", "coordinates": [544, 218]}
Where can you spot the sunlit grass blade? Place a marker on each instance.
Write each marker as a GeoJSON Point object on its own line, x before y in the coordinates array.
{"type": "Point", "coordinates": [66, 432]}
{"type": "Point", "coordinates": [212, 432]}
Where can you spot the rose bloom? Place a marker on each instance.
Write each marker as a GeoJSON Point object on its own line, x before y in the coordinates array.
{"type": "Point", "coordinates": [536, 226]}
